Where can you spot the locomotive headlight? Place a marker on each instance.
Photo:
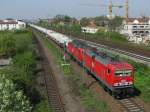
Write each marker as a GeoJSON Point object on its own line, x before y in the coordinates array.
{"type": "Point", "coordinates": [116, 84]}
{"type": "Point", "coordinates": [130, 83]}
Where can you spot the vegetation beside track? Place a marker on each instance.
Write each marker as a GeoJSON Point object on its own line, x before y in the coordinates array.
{"type": "Point", "coordinates": [142, 80]}
{"type": "Point", "coordinates": [78, 88]}
{"type": "Point", "coordinates": [19, 46]}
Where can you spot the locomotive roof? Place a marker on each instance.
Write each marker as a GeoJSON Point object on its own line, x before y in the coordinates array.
{"type": "Point", "coordinates": [104, 57]}
{"type": "Point", "coordinates": [80, 44]}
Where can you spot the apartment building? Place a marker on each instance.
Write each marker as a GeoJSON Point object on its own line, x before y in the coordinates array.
{"type": "Point", "coordinates": [11, 24]}
{"type": "Point", "coordinates": [136, 29]}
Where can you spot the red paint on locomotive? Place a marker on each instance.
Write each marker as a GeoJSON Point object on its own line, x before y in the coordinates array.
{"type": "Point", "coordinates": [112, 73]}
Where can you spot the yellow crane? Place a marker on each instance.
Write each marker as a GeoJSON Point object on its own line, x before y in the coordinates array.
{"type": "Point", "coordinates": [111, 6]}
{"type": "Point", "coordinates": [127, 9]}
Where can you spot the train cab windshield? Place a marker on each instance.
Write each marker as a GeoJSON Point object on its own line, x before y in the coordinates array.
{"type": "Point", "coordinates": [123, 73]}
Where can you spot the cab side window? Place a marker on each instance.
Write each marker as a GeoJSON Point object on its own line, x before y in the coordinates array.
{"type": "Point", "coordinates": [108, 71]}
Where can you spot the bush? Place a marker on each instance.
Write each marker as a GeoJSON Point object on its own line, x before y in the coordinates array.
{"type": "Point", "coordinates": [7, 45]}
{"type": "Point", "coordinates": [24, 66]}
{"type": "Point", "coordinates": [13, 42]}
{"type": "Point", "coordinates": [12, 100]}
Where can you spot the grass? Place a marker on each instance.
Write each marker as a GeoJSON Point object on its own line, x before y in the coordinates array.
{"type": "Point", "coordinates": [142, 80]}
{"type": "Point", "coordinates": [88, 100]}
{"type": "Point", "coordinates": [64, 65]}
{"type": "Point", "coordinates": [43, 107]}
{"type": "Point", "coordinates": [78, 88]}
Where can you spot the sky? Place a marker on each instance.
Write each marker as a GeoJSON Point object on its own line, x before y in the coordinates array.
{"type": "Point", "coordinates": [33, 9]}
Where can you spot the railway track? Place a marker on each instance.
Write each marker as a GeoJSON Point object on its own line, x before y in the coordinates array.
{"type": "Point", "coordinates": [54, 98]}
{"type": "Point", "coordinates": [127, 105]}
{"type": "Point", "coordinates": [146, 60]}
{"type": "Point", "coordinates": [130, 105]}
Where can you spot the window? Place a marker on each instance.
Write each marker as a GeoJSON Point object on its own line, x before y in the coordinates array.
{"type": "Point", "coordinates": [141, 26]}
{"type": "Point", "coordinates": [134, 26]}
{"type": "Point", "coordinates": [123, 73]}
{"type": "Point", "coordinates": [147, 32]}
{"type": "Point", "coordinates": [108, 71]}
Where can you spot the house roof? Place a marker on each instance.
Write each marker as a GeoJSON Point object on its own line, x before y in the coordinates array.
{"type": "Point", "coordinates": [140, 20]}
{"type": "Point", "coordinates": [92, 24]}
{"type": "Point", "coordinates": [8, 22]}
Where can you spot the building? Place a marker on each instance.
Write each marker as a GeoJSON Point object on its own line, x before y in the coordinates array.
{"type": "Point", "coordinates": [136, 29]}
{"type": "Point", "coordinates": [89, 29]}
{"type": "Point", "coordinates": [11, 24]}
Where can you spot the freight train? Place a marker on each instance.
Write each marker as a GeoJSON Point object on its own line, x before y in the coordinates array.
{"type": "Point", "coordinates": [117, 77]}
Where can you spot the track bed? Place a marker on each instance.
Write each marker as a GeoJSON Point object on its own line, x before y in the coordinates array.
{"type": "Point", "coordinates": [54, 98]}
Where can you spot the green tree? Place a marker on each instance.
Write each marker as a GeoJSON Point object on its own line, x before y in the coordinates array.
{"type": "Point", "coordinates": [101, 21]}
{"type": "Point", "coordinates": [24, 65]}
{"type": "Point", "coordinates": [84, 21]}
{"type": "Point", "coordinates": [7, 45]}
{"type": "Point", "coordinates": [115, 23]}
{"type": "Point", "coordinates": [10, 99]}
{"type": "Point", "coordinates": [23, 43]}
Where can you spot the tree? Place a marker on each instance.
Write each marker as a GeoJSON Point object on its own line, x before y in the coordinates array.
{"type": "Point", "coordinates": [67, 19]}
{"type": "Point", "coordinates": [24, 65]}
{"type": "Point", "coordinates": [101, 21]}
{"type": "Point", "coordinates": [84, 21]}
{"type": "Point", "coordinates": [10, 99]}
{"type": "Point", "coordinates": [115, 23]}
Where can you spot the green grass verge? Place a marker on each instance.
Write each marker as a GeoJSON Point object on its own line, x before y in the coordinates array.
{"type": "Point", "coordinates": [64, 65]}
{"type": "Point", "coordinates": [142, 80]}
{"type": "Point", "coordinates": [43, 107]}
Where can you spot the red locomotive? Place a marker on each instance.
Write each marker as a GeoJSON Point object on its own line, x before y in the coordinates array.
{"type": "Point", "coordinates": [116, 76]}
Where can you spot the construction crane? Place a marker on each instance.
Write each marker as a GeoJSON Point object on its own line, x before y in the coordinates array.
{"type": "Point", "coordinates": [127, 9]}
{"type": "Point", "coordinates": [119, 6]}
{"type": "Point", "coordinates": [111, 6]}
